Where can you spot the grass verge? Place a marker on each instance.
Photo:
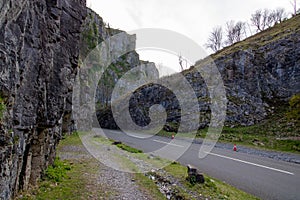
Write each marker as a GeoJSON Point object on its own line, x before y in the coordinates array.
{"type": "Point", "coordinates": [128, 148]}
{"type": "Point", "coordinates": [212, 188]}
{"type": "Point", "coordinates": [70, 178]}
{"type": "Point", "coordinates": [61, 183]}
{"type": "Point", "coordinates": [75, 179]}
{"type": "Point", "coordinates": [277, 132]}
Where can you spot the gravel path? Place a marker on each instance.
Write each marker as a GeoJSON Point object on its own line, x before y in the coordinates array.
{"type": "Point", "coordinates": [117, 185]}
{"type": "Point", "coordinates": [109, 155]}
{"type": "Point", "coordinates": [122, 183]}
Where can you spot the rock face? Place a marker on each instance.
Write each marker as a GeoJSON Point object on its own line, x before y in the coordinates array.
{"type": "Point", "coordinates": [258, 73]}
{"type": "Point", "coordinates": [39, 42]}
{"type": "Point", "coordinates": [95, 33]}
{"type": "Point", "coordinates": [254, 79]}
{"type": "Point", "coordinates": [258, 78]}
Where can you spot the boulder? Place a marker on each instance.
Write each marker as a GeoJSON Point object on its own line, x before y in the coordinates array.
{"type": "Point", "coordinates": [193, 175]}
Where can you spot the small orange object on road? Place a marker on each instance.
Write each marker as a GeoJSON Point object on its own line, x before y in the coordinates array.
{"type": "Point", "coordinates": [234, 147]}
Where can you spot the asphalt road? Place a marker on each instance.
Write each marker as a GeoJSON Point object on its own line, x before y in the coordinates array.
{"type": "Point", "coordinates": [263, 177]}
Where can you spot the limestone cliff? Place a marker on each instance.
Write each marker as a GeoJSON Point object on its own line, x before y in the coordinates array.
{"type": "Point", "coordinates": [258, 73]}
{"type": "Point", "coordinates": [95, 32]}
{"type": "Point", "coordinates": [39, 50]}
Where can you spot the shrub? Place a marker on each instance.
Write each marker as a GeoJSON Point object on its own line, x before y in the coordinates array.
{"type": "Point", "coordinates": [57, 171]}
{"type": "Point", "coordinates": [294, 112]}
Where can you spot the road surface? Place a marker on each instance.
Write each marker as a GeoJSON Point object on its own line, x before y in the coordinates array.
{"type": "Point", "coordinates": [263, 177]}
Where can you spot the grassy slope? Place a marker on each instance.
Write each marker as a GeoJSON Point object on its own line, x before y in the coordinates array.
{"type": "Point", "coordinates": [283, 135]}
{"type": "Point", "coordinates": [262, 38]}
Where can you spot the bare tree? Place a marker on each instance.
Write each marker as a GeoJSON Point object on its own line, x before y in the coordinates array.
{"type": "Point", "coordinates": [264, 19]}
{"type": "Point", "coordinates": [270, 19]}
{"type": "Point", "coordinates": [294, 4]}
{"type": "Point", "coordinates": [256, 19]}
{"type": "Point", "coordinates": [267, 19]}
{"type": "Point", "coordinates": [235, 31]}
{"type": "Point", "coordinates": [247, 27]}
{"type": "Point", "coordinates": [230, 32]}
{"type": "Point", "coordinates": [274, 17]}
{"type": "Point", "coordinates": [239, 31]}
{"type": "Point", "coordinates": [181, 61]}
{"type": "Point", "coordinates": [278, 15]}
{"type": "Point", "coordinates": [214, 41]}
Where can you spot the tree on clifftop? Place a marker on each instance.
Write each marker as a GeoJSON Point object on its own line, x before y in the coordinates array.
{"type": "Point", "coordinates": [235, 31]}
{"type": "Point", "coordinates": [215, 39]}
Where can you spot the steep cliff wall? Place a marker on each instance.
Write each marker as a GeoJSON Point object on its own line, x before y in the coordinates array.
{"type": "Point", "coordinates": [39, 49]}
{"type": "Point", "coordinates": [94, 32]}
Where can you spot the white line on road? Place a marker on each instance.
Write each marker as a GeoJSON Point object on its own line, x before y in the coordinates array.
{"type": "Point", "coordinates": [250, 163]}
{"type": "Point", "coordinates": [116, 132]}
{"type": "Point", "coordinates": [176, 145]}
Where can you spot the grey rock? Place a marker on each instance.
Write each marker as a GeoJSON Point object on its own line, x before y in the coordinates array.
{"type": "Point", "coordinates": [255, 79]}
{"type": "Point", "coordinates": [39, 58]}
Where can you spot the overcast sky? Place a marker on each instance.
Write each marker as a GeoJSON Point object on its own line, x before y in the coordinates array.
{"type": "Point", "coordinates": [192, 18]}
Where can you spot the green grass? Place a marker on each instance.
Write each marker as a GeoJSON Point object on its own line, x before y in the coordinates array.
{"type": "Point", "coordinates": [102, 140]}
{"type": "Point", "coordinates": [62, 183]}
{"type": "Point", "coordinates": [67, 179]}
{"type": "Point", "coordinates": [258, 136]}
{"type": "Point", "coordinates": [128, 148]}
{"type": "Point", "coordinates": [70, 140]}
{"type": "Point", "coordinates": [144, 183]}
{"type": "Point", "coordinates": [269, 136]}
{"type": "Point", "coordinates": [277, 132]}
{"type": "Point", "coordinates": [58, 171]}
{"type": "Point", "coordinates": [212, 188]}
{"type": "Point", "coordinates": [2, 107]}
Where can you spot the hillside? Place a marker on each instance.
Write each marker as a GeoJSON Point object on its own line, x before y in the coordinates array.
{"type": "Point", "coordinates": [260, 74]}
{"type": "Point", "coordinates": [277, 32]}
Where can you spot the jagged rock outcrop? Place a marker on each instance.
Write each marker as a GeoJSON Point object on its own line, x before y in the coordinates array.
{"type": "Point", "coordinates": [95, 33]}
{"type": "Point", "coordinates": [107, 84]}
{"type": "Point", "coordinates": [39, 50]}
